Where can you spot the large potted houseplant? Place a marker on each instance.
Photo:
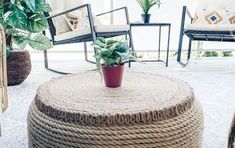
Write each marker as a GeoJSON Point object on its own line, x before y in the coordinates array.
{"type": "Point", "coordinates": [146, 5]}
{"type": "Point", "coordinates": [24, 22]}
{"type": "Point", "coordinates": [111, 56]}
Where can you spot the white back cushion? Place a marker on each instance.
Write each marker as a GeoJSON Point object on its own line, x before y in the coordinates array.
{"type": "Point", "coordinates": [69, 4]}
{"type": "Point", "coordinates": [215, 12]}
{"type": "Point", "coordinates": [60, 6]}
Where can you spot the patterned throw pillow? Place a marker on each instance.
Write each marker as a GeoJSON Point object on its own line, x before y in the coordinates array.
{"type": "Point", "coordinates": [214, 12]}
{"type": "Point", "coordinates": [77, 21]}
{"type": "Point", "coordinates": [214, 17]}
{"type": "Point", "coordinates": [232, 20]}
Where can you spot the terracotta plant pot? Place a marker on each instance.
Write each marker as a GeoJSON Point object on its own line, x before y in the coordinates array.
{"type": "Point", "coordinates": [18, 67]}
{"type": "Point", "coordinates": [146, 18]}
{"type": "Point", "coordinates": [113, 76]}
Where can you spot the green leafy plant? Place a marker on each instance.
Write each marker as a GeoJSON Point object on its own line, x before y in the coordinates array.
{"type": "Point", "coordinates": [210, 54]}
{"type": "Point", "coordinates": [112, 52]}
{"type": "Point", "coordinates": [24, 22]}
{"type": "Point", "coordinates": [146, 5]}
{"type": "Point", "coordinates": [227, 54]}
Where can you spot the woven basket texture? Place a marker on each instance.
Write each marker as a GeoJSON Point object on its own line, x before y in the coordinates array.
{"type": "Point", "coordinates": [18, 67]}
{"type": "Point", "coordinates": [147, 111]}
{"type": "Point", "coordinates": [3, 72]}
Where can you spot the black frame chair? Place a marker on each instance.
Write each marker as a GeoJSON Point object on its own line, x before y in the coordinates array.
{"type": "Point", "coordinates": [86, 38]}
{"type": "Point", "coordinates": [196, 35]}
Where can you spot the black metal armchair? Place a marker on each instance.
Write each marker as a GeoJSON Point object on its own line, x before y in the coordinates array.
{"type": "Point", "coordinates": [91, 34]}
{"type": "Point", "coordinates": [220, 33]}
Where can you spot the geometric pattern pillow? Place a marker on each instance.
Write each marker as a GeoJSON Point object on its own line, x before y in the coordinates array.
{"type": "Point", "coordinates": [77, 21]}
{"type": "Point", "coordinates": [232, 20]}
{"type": "Point", "coordinates": [214, 12]}
{"type": "Point", "coordinates": [213, 17]}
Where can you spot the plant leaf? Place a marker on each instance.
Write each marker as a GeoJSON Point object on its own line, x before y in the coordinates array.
{"type": "Point", "coordinates": [12, 31]}
{"type": "Point", "coordinates": [99, 44]}
{"type": "Point", "coordinates": [109, 42]}
{"type": "Point", "coordinates": [20, 41]}
{"type": "Point", "coordinates": [125, 56]}
{"type": "Point", "coordinates": [106, 53]}
{"type": "Point", "coordinates": [16, 17]}
{"type": "Point", "coordinates": [42, 6]}
{"type": "Point", "coordinates": [37, 23]}
{"type": "Point", "coordinates": [39, 41]}
{"type": "Point", "coordinates": [110, 62]}
{"type": "Point", "coordinates": [146, 5]}
{"type": "Point", "coordinates": [30, 4]}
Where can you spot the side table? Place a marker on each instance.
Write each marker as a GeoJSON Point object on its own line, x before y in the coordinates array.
{"type": "Point", "coordinates": [159, 26]}
{"type": "Point", "coordinates": [78, 111]}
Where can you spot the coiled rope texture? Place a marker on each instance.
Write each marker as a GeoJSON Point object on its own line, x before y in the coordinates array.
{"type": "Point", "coordinates": [59, 124]}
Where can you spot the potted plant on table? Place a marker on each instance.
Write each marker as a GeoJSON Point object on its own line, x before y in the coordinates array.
{"type": "Point", "coordinates": [111, 56]}
{"type": "Point", "coordinates": [23, 22]}
{"type": "Point", "coordinates": [146, 5]}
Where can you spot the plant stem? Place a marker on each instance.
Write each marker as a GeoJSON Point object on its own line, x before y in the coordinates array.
{"type": "Point", "coordinates": [8, 41]}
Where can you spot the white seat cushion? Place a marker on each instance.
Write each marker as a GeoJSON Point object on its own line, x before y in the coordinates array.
{"type": "Point", "coordinates": [72, 34]}
{"type": "Point", "coordinates": [112, 28]}
{"type": "Point", "coordinates": [99, 29]}
{"type": "Point", "coordinates": [224, 27]}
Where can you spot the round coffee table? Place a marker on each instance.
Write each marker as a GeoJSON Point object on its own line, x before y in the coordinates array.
{"type": "Point", "coordinates": [147, 111]}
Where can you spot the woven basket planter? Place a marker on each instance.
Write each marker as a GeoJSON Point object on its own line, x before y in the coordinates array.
{"type": "Point", "coordinates": [18, 67]}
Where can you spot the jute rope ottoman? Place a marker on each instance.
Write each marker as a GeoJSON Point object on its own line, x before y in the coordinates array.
{"type": "Point", "coordinates": [147, 111]}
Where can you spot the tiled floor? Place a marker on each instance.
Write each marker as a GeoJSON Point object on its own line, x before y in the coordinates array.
{"type": "Point", "coordinates": [212, 79]}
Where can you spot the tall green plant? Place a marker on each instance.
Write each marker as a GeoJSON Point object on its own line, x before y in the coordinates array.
{"type": "Point", "coordinates": [146, 5]}
{"type": "Point", "coordinates": [24, 22]}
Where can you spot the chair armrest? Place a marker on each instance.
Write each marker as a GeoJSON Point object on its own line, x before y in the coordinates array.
{"type": "Point", "coordinates": [188, 13]}
{"type": "Point", "coordinates": [185, 13]}
{"type": "Point", "coordinates": [118, 9]}
{"type": "Point", "coordinates": [89, 14]}
{"type": "Point", "coordinates": [67, 11]}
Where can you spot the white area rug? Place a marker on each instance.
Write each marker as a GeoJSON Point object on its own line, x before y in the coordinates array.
{"type": "Point", "coordinates": [212, 80]}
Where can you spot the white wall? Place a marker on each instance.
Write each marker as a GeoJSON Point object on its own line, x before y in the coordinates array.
{"type": "Point", "coordinates": [170, 11]}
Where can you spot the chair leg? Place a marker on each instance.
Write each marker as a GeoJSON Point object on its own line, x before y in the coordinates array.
{"type": "Point", "coordinates": [180, 47]}
{"type": "Point", "coordinates": [189, 48]}
{"type": "Point", "coordinates": [131, 45]}
{"type": "Point", "coordinates": [94, 37]}
{"type": "Point", "coordinates": [181, 35]}
{"type": "Point", "coordinates": [85, 51]}
{"type": "Point", "coordinates": [45, 59]}
{"type": "Point", "coordinates": [86, 54]}
{"type": "Point", "coordinates": [180, 51]}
